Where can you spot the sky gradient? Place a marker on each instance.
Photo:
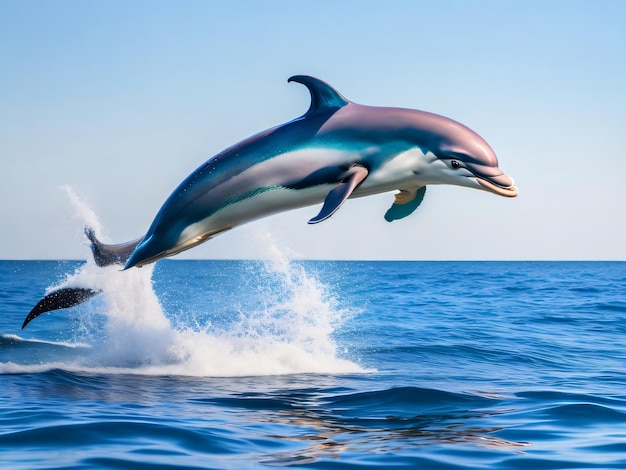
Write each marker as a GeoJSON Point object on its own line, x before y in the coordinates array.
{"type": "Point", "coordinates": [122, 100]}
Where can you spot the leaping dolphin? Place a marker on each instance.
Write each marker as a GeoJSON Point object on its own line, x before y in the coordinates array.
{"type": "Point", "coordinates": [336, 150]}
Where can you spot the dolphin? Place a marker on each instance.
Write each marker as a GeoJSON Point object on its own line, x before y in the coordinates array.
{"type": "Point", "coordinates": [335, 151]}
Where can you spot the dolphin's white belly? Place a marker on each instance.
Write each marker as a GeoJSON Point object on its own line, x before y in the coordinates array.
{"type": "Point", "coordinates": [398, 172]}
{"type": "Point", "coordinates": [272, 197]}
{"type": "Point", "coordinates": [269, 202]}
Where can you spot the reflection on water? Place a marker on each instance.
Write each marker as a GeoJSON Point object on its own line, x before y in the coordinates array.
{"type": "Point", "coordinates": [329, 432]}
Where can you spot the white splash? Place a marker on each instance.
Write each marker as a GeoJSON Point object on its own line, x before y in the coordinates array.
{"type": "Point", "coordinates": [83, 211]}
{"type": "Point", "coordinates": [289, 333]}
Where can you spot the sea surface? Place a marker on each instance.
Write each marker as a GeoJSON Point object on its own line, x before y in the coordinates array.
{"type": "Point", "coordinates": [316, 364]}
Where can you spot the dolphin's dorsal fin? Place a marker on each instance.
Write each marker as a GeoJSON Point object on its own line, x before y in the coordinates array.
{"type": "Point", "coordinates": [323, 96]}
{"type": "Point", "coordinates": [352, 178]}
{"type": "Point", "coordinates": [406, 201]}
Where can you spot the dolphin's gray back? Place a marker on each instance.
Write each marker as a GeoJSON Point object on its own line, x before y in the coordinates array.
{"type": "Point", "coordinates": [238, 170]}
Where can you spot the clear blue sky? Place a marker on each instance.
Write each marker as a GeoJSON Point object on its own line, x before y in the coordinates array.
{"type": "Point", "coordinates": [122, 99]}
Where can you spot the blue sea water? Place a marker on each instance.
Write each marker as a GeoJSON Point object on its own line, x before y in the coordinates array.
{"type": "Point", "coordinates": [279, 363]}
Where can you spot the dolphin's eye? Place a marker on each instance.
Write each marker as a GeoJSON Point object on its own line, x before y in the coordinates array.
{"type": "Point", "coordinates": [455, 164]}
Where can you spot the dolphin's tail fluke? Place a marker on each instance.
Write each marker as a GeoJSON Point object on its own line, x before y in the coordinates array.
{"type": "Point", "coordinates": [66, 297]}
{"type": "Point", "coordinates": [61, 298]}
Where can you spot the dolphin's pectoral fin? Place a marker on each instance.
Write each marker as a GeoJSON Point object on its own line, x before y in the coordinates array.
{"type": "Point", "coordinates": [334, 200]}
{"type": "Point", "coordinates": [406, 201]}
{"type": "Point", "coordinates": [58, 299]}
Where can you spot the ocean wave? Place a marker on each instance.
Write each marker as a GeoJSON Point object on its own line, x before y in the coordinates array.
{"type": "Point", "coordinates": [321, 365]}
{"type": "Point", "coordinates": [15, 341]}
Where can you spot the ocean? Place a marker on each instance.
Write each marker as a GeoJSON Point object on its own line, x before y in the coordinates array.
{"type": "Point", "coordinates": [316, 364]}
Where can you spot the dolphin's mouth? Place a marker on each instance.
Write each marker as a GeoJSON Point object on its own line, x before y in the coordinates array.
{"type": "Point", "coordinates": [507, 191]}
{"type": "Point", "coordinates": [492, 179]}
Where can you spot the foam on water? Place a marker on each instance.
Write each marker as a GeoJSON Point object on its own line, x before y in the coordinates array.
{"type": "Point", "coordinates": [291, 332]}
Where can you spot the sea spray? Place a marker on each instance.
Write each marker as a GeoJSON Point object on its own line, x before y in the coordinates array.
{"type": "Point", "coordinates": [286, 327]}
{"type": "Point", "coordinates": [125, 324]}
{"type": "Point", "coordinates": [137, 332]}
{"type": "Point", "coordinates": [297, 308]}
{"type": "Point", "coordinates": [83, 211]}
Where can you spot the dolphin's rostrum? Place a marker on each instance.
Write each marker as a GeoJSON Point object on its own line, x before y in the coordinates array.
{"type": "Point", "coordinates": [336, 150]}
